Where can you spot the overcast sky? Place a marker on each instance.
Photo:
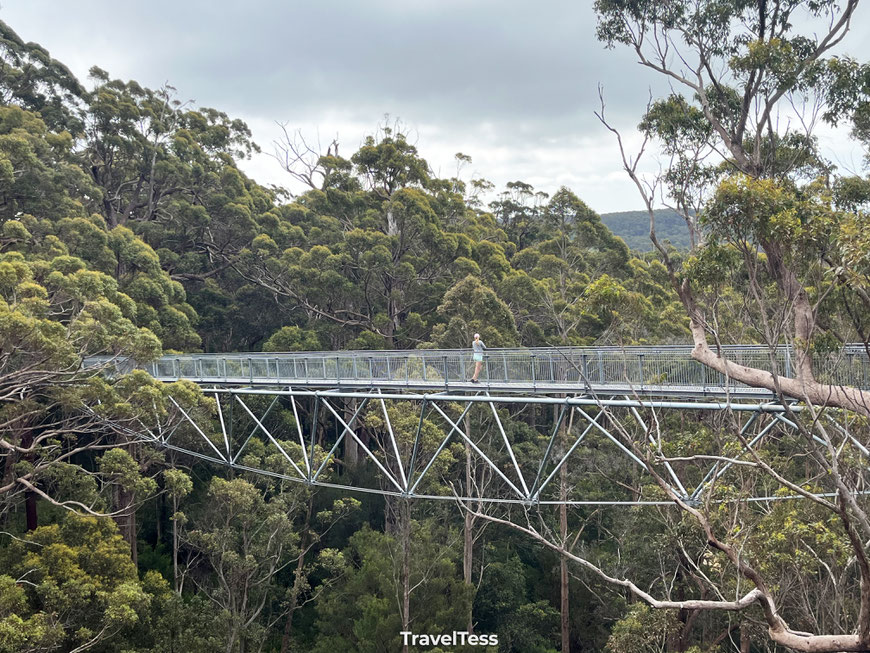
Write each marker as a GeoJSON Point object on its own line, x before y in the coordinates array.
{"type": "Point", "coordinates": [511, 83]}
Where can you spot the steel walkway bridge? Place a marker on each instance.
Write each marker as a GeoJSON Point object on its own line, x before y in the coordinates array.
{"type": "Point", "coordinates": [604, 371]}
{"type": "Point", "coordinates": [534, 430]}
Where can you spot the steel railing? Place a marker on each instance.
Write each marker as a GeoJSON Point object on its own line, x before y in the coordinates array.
{"type": "Point", "coordinates": [665, 366]}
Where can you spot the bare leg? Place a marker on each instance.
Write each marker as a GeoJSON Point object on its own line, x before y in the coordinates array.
{"type": "Point", "coordinates": [477, 366]}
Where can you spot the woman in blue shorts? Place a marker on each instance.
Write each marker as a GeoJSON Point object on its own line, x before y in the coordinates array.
{"type": "Point", "coordinates": [477, 356]}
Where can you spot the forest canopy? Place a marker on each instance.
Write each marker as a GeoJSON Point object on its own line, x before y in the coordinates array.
{"type": "Point", "coordinates": [128, 229]}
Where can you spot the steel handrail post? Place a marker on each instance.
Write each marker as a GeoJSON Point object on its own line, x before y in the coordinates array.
{"type": "Point", "coordinates": [534, 383]}
{"type": "Point", "coordinates": [446, 375]}
{"type": "Point", "coordinates": [864, 361]}
{"type": "Point", "coordinates": [640, 368]}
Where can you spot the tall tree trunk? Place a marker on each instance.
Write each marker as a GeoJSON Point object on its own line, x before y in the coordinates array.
{"type": "Point", "coordinates": [468, 543]}
{"type": "Point", "coordinates": [124, 500]}
{"type": "Point", "coordinates": [30, 510]}
{"type": "Point", "coordinates": [298, 576]}
{"type": "Point", "coordinates": [175, 583]}
{"type": "Point", "coordinates": [125, 504]}
{"type": "Point", "coordinates": [563, 565]}
{"type": "Point", "coordinates": [563, 533]}
{"type": "Point", "coordinates": [158, 508]}
{"type": "Point", "coordinates": [405, 509]}
{"type": "Point", "coordinates": [745, 639]}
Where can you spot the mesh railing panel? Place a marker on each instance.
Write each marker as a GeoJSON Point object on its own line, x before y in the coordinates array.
{"type": "Point", "coordinates": [635, 367]}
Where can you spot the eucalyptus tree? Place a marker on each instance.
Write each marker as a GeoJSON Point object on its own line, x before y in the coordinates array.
{"type": "Point", "coordinates": [72, 288]}
{"type": "Point", "coordinates": [745, 65]}
{"type": "Point", "coordinates": [363, 612]}
{"type": "Point", "coordinates": [368, 254]}
{"type": "Point", "coordinates": [69, 586]}
{"type": "Point", "coordinates": [769, 222]}
{"type": "Point", "coordinates": [32, 79]}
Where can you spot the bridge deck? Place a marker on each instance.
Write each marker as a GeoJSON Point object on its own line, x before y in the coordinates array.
{"type": "Point", "coordinates": [608, 371]}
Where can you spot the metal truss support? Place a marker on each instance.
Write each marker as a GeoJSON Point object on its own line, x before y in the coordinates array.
{"type": "Point", "coordinates": [339, 439]}
{"type": "Point", "coordinates": [776, 420]}
{"type": "Point", "coordinates": [715, 467]}
{"type": "Point", "coordinates": [254, 430]}
{"type": "Point", "coordinates": [612, 438]}
{"type": "Point", "coordinates": [627, 451]}
{"type": "Point", "coordinates": [301, 437]}
{"type": "Point", "coordinates": [416, 446]}
{"type": "Point", "coordinates": [198, 430]}
{"type": "Point", "coordinates": [271, 437]}
{"type": "Point", "coordinates": [220, 412]}
{"type": "Point", "coordinates": [507, 398]}
{"type": "Point", "coordinates": [658, 444]}
{"type": "Point", "coordinates": [845, 432]}
{"type": "Point", "coordinates": [546, 456]}
{"type": "Point", "coordinates": [510, 450]}
{"type": "Point", "coordinates": [511, 472]}
{"type": "Point", "coordinates": [314, 423]}
{"type": "Point", "coordinates": [396, 444]}
{"type": "Point", "coordinates": [480, 453]}
{"type": "Point", "coordinates": [362, 445]}
{"type": "Point", "coordinates": [565, 457]}
{"type": "Point", "coordinates": [438, 450]}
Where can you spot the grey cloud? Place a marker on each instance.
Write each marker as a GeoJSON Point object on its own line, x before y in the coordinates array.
{"type": "Point", "coordinates": [454, 61]}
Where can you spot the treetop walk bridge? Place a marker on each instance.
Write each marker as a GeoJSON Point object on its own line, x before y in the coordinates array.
{"type": "Point", "coordinates": [665, 371]}
{"type": "Point", "coordinates": [396, 422]}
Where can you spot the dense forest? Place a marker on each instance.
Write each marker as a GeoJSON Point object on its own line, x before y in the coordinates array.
{"type": "Point", "coordinates": [127, 229]}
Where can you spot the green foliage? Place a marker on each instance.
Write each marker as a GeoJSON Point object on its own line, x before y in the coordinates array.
{"type": "Point", "coordinates": [502, 606]}
{"type": "Point", "coordinates": [362, 613]}
{"type": "Point", "coordinates": [292, 338]}
{"type": "Point", "coordinates": [32, 79]}
{"type": "Point", "coordinates": [246, 537]}
{"type": "Point", "coordinates": [127, 228]}
{"type": "Point", "coordinates": [643, 630]}
{"type": "Point", "coordinates": [69, 584]}
{"type": "Point", "coordinates": [469, 307]}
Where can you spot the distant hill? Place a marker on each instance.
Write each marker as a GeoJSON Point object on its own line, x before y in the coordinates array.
{"type": "Point", "coordinates": [633, 228]}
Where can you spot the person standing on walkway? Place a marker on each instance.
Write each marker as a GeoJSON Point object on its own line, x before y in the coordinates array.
{"type": "Point", "coordinates": [477, 355]}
